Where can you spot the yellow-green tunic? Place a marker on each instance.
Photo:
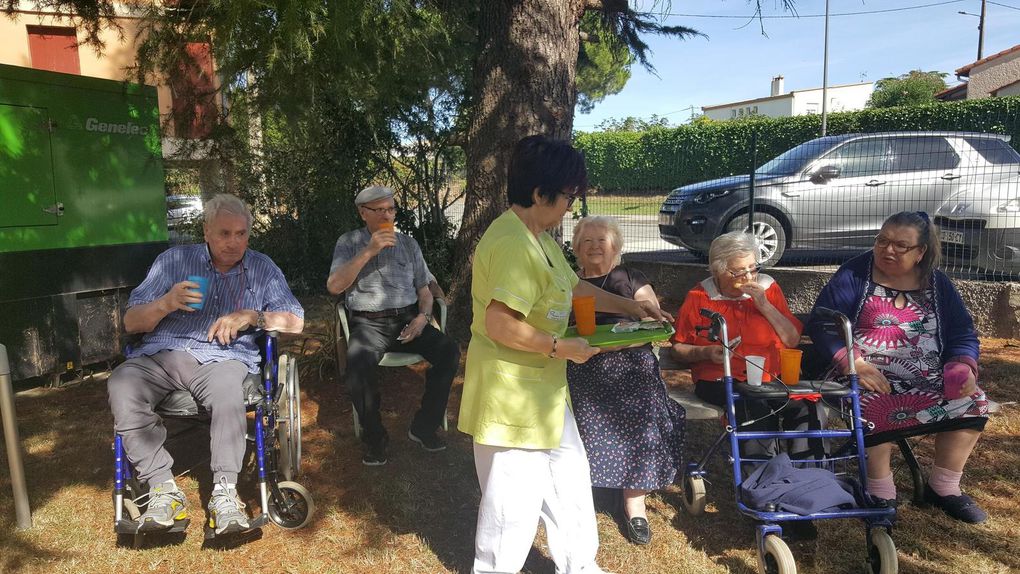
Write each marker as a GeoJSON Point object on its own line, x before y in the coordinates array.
{"type": "Point", "coordinates": [516, 398]}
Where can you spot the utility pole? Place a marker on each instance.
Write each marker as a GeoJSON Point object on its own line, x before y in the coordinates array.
{"type": "Point", "coordinates": [825, 71]}
{"type": "Point", "coordinates": [981, 30]}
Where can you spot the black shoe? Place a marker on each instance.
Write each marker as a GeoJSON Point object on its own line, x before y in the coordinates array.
{"type": "Point", "coordinates": [638, 531]}
{"type": "Point", "coordinates": [375, 454]}
{"type": "Point", "coordinates": [960, 507]}
{"type": "Point", "coordinates": [800, 530]}
{"type": "Point", "coordinates": [428, 441]}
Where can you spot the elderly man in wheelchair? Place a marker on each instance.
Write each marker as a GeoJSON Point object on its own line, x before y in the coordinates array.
{"type": "Point", "coordinates": [198, 308]}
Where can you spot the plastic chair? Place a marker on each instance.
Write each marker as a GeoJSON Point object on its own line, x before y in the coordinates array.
{"type": "Point", "coordinates": [390, 359]}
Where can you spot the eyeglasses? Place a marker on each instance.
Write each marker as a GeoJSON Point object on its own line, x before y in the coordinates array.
{"type": "Point", "coordinates": [571, 197]}
{"type": "Point", "coordinates": [744, 272]}
{"type": "Point", "coordinates": [898, 247]}
{"type": "Point", "coordinates": [386, 210]}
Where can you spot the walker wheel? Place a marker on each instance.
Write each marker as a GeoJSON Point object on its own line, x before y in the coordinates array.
{"type": "Point", "coordinates": [776, 557]}
{"type": "Point", "coordinates": [694, 495]}
{"type": "Point", "coordinates": [882, 557]}
{"type": "Point", "coordinates": [296, 508]}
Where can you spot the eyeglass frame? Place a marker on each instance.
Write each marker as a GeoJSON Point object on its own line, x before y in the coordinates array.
{"type": "Point", "coordinates": [899, 249]}
{"type": "Point", "coordinates": [392, 210]}
{"type": "Point", "coordinates": [572, 197]}
{"type": "Point", "coordinates": [754, 270]}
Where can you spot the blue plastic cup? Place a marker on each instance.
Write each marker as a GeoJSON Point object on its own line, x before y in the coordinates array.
{"type": "Point", "coordinates": [203, 288]}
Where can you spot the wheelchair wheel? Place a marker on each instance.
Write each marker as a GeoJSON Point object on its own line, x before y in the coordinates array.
{"type": "Point", "coordinates": [296, 508]}
{"type": "Point", "coordinates": [882, 557]}
{"type": "Point", "coordinates": [776, 558]}
{"type": "Point", "coordinates": [694, 495]}
{"type": "Point", "coordinates": [288, 425]}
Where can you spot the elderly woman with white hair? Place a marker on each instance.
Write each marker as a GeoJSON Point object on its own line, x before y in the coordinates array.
{"type": "Point", "coordinates": [632, 432]}
{"type": "Point", "coordinates": [756, 315]}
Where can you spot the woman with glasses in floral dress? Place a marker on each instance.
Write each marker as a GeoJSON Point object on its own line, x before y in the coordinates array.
{"type": "Point", "coordinates": [916, 353]}
{"type": "Point", "coordinates": [759, 323]}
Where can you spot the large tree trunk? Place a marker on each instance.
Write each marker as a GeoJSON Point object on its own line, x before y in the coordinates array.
{"type": "Point", "coordinates": [524, 85]}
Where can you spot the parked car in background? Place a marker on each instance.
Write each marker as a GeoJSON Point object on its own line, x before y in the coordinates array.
{"type": "Point", "coordinates": [831, 194]}
{"type": "Point", "coordinates": [181, 212]}
{"type": "Point", "coordinates": [182, 209]}
{"type": "Point", "coordinates": [980, 228]}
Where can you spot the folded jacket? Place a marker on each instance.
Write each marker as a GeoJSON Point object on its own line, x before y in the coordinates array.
{"type": "Point", "coordinates": [793, 489]}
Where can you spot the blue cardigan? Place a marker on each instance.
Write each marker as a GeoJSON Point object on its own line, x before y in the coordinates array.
{"type": "Point", "coordinates": [846, 292]}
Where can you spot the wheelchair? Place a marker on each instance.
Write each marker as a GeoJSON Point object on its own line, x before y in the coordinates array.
{"type": "Point", "coordinates": [774, 555]}
{"type": "Point", "coordinates": [273, 395]}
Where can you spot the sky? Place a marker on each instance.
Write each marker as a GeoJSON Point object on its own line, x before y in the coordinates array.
{"type": "Point", "coordinates": [736, 62]}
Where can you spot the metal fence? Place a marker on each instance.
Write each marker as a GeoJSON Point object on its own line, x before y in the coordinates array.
{"type": "Point", "coordinates": [824, 201]}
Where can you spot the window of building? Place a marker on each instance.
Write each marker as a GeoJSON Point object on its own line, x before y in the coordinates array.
{"type": "Point", "coordinates": [54, 49]}
{"type": "Point", "coordinates": [193, 92]}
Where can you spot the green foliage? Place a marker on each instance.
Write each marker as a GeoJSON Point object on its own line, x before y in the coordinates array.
{"type": "Point", "coordinates": [633, 124]}
{"type": "Point", "coordinates": [658, 160]}
{"type": "Point", "coordinates": [603, 63]}
{"type": "Point", "coordinates": [910, 89]}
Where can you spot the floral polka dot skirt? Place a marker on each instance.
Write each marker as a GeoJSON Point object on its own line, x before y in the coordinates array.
{"type": "Point", "coordinates": [632, 431]}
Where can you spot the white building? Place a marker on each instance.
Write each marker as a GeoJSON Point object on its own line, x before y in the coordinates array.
{"type": "Point", "coordinates": [842, 98]}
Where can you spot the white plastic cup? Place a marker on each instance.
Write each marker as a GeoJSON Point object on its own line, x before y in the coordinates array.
{"type": "Point", "coordinates": [755, 369]}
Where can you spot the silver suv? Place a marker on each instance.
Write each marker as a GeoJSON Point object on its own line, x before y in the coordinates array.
{"type": "Point", "coordinates": [832, 194]}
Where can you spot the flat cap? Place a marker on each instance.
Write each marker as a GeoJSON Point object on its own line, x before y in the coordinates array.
{"type": "Point", "coordinates": [373, 193]}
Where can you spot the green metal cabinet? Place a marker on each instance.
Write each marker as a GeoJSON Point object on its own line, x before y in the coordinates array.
{"type": "Point", "coordinates": [82, 213]}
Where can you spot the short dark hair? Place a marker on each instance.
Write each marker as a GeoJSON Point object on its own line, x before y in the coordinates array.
{"type": "Point", "coordinates": [927, 235]}
{"type": "Point", "coordinates": [549, 165]}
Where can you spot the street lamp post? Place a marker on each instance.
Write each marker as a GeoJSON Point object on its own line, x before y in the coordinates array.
{"type": "Point", "coordinates": [825, 72]}
{"type": "Point", "coordinates": [981, 27]}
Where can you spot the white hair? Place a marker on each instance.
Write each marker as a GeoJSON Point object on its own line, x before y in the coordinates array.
{"type": "Point", "coordinates": [729, 245]}
{"type": "Point", "coordinates": [607, 223]}
{"type": "Point", "coordinates": [226, 203]}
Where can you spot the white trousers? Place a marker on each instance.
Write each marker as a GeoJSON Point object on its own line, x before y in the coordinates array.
{"type": "Point", "coordinates": [521, 486]}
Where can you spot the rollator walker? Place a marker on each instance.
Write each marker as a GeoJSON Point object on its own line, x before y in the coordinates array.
{"type": "Point", "coordinates": [774, 556]}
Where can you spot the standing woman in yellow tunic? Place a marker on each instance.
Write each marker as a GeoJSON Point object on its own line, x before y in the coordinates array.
{"type": "Point", "coordinates": [529, 458]}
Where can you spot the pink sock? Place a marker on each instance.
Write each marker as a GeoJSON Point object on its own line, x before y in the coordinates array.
{"type": "Point", "coordinates": [945, 482]}
{"type": "Point", "coordinates": [882, 487]}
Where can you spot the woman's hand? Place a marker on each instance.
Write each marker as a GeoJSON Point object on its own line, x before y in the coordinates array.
{"type": "Point", "coordinates": [648, 309]}
{"type": "Point", "coordinates": [757, 293]}
{"type": "Point", "coordinates": [575, 349]}
{"type": "Point", "coordinates": [870, 378]}
{"type": "Point", "coordinates": [970, 387]}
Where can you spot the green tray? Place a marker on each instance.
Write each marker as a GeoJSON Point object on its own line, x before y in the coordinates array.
{"type": "Point", "coordinates": [605, 337]}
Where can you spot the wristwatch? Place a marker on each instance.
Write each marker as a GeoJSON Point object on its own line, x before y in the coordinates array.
{"type": "Point", "coordinates": [260, 321]}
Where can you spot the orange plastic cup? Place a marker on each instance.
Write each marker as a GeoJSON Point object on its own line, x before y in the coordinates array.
{"type": "Point", "coordinates": [584, 315]}
{"type": "Point", "coordinates": [789, 365]}
{"type": "Point", "coordinates": [386, 225]}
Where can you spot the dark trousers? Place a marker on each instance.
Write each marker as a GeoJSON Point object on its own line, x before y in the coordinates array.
{"type": "Point", "coordinates": [370, 339]}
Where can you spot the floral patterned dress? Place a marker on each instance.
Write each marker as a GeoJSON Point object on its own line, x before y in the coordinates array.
{"type": "Point", "coordinates": [898, 333]}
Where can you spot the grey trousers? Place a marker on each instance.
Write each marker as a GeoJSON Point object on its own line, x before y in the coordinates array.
{"type": "Point", "coordinates": [139, 384]}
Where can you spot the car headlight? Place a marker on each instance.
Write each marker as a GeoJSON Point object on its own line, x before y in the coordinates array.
{"type": "Point", "coordinates": [1011, 206]}
{"type": "Point", "coordinates": [712, 195]}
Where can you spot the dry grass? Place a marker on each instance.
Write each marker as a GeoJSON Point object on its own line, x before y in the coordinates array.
{"type": "Point", "coordinates": [417, 513]}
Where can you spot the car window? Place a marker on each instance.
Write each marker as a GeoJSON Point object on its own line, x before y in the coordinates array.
{"type": "Point", "coordinates": [793, 160]}
{"type": "Point", "coordinates": [860, 158]}
{"type": "Point", "coordinates": [922, 154]}
{"type": "Point", "coordinates": [994, 151]}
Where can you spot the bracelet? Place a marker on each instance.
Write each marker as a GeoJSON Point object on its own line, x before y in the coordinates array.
{"type": "Point", "coordinates": [552, 354]}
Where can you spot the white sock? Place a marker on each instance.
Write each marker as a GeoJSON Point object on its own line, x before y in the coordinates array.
{"type": "Point", "coordinates": [172, 485]}
{"type": "Point", "coordinates": [224, 486]}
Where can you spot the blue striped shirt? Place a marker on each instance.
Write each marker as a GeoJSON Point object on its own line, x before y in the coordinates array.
{"type": "Point", "coordinates": [256, 283]}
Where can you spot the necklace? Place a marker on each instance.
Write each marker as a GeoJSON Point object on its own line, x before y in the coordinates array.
{"type": "Point", "coordinates": [604, 279]}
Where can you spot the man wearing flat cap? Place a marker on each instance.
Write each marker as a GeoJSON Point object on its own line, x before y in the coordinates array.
{"type": "Point", "coordinates": [386, 284]}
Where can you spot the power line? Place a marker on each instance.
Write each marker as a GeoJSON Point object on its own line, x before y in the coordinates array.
{"type": "Point", "coordinates": [791, 16]}
{"type": "Point", "coordinates": [1003, 5]}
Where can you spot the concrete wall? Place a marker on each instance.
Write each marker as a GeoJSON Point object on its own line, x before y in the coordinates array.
{"type": "Point", "coordinates": [994, 305]}
{"type": "Point", "coordinates": [841, 99]}
{"type": "Point", "coordinates": [990, 76]}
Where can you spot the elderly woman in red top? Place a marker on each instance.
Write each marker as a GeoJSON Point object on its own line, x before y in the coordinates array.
{"type": "Point", "coordinates": [755, 311]}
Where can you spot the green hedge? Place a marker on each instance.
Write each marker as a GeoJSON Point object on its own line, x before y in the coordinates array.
{"type": "Point", "coordinates": [662, 159]}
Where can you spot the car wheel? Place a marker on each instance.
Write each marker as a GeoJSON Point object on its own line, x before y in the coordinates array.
{"type": "Point", "coordinates": [770, 235]}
